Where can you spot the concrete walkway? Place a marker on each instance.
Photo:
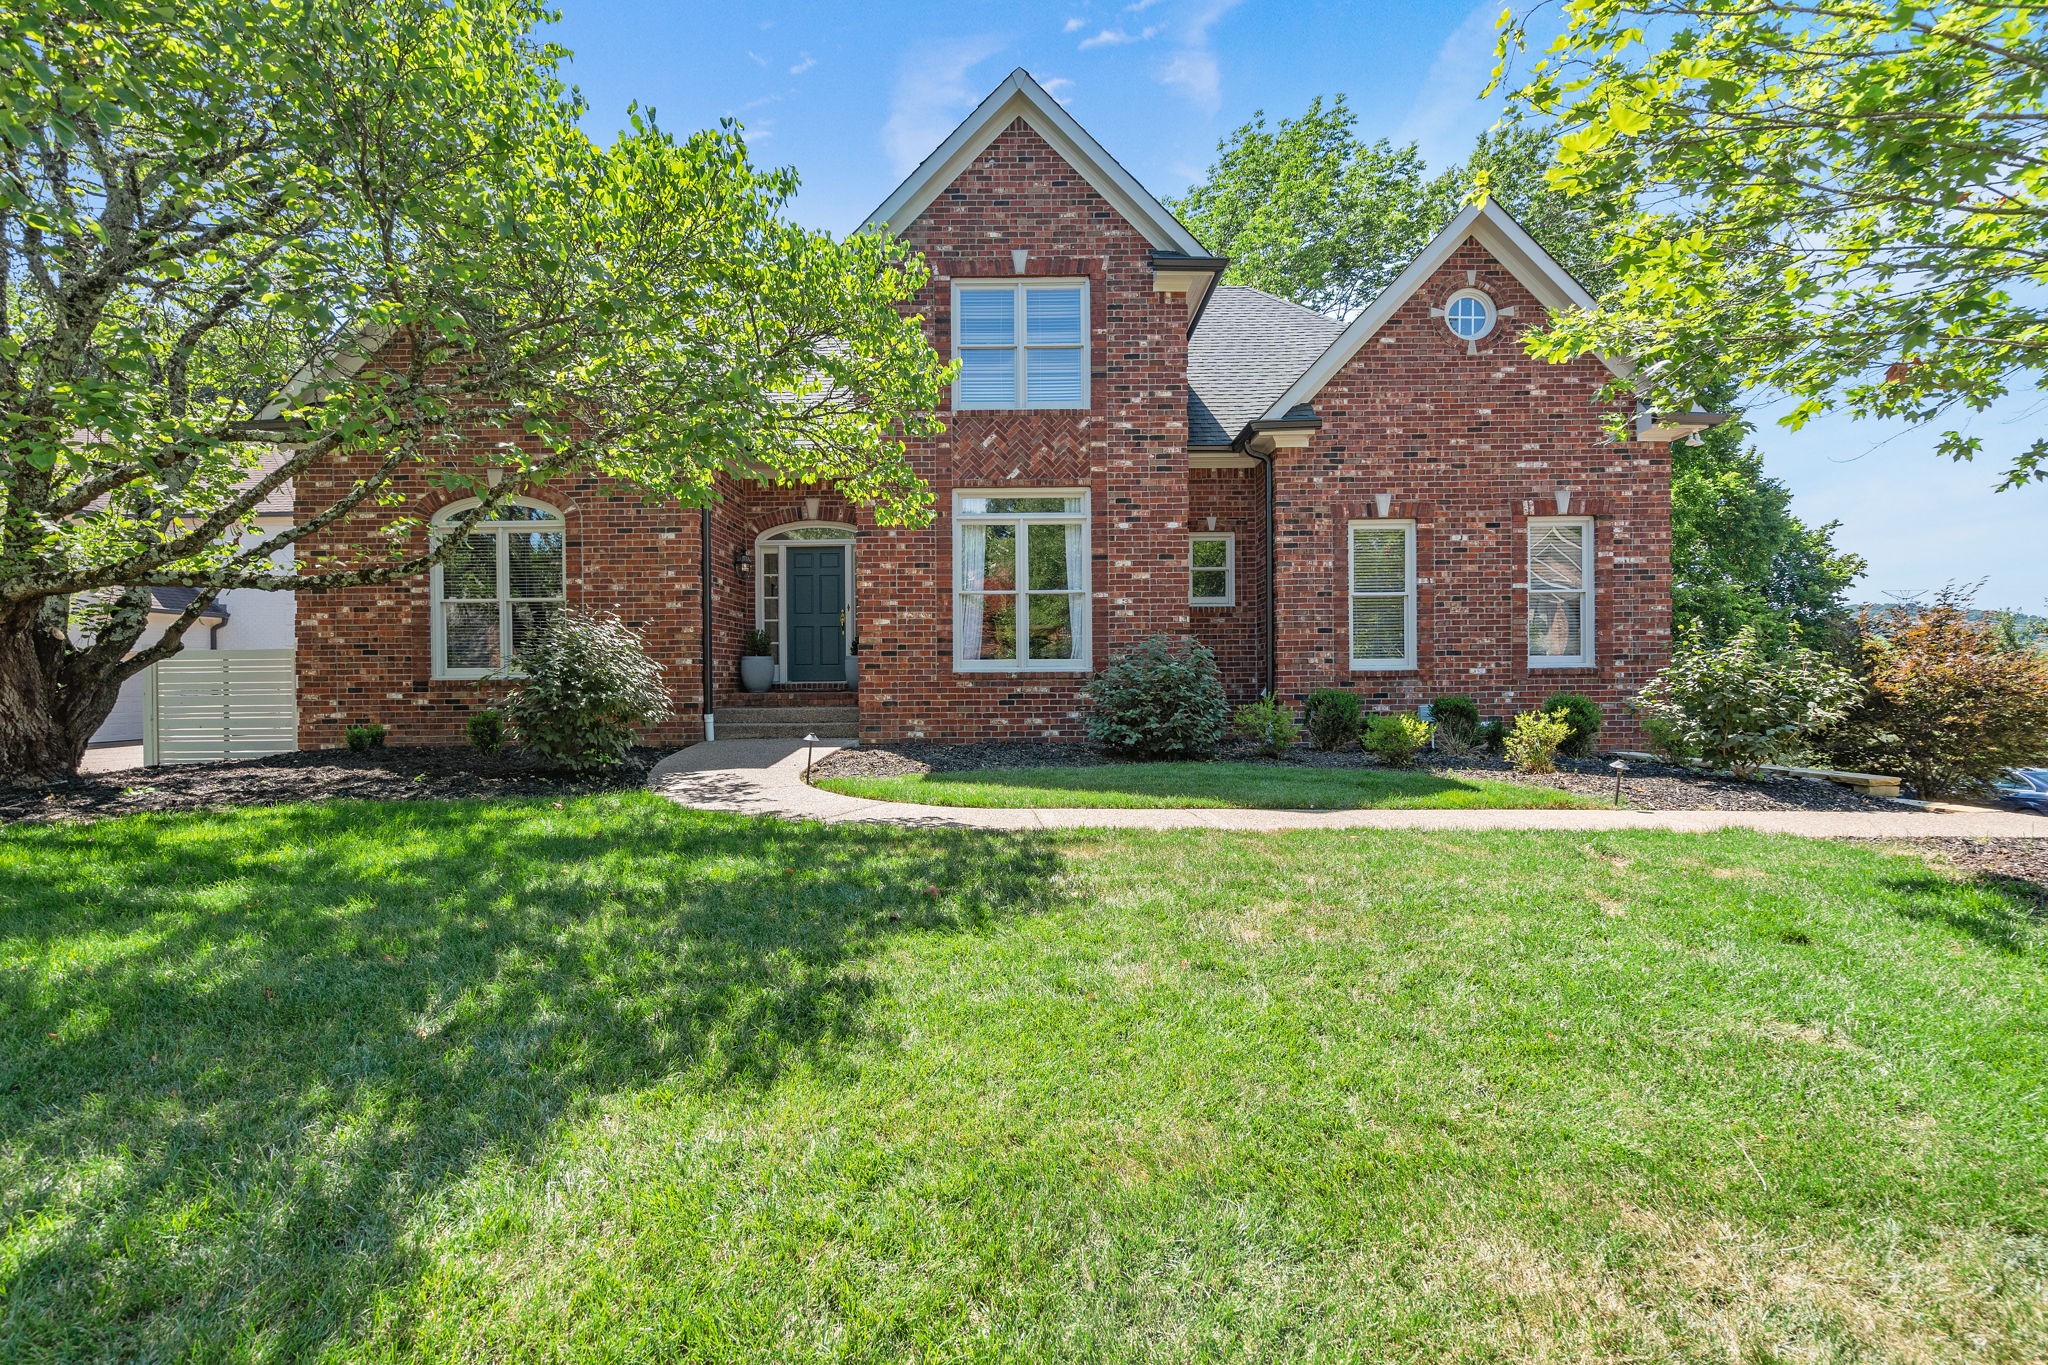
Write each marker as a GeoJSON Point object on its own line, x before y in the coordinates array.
{"type": "Point", "coordinates": [766, 777]}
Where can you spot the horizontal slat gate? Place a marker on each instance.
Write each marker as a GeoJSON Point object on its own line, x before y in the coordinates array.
{"type": "Point", "coordinates": [216, 704]}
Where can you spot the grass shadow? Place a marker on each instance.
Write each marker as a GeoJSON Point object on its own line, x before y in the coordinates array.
{"type": "Point", "coordinates": [2009, 913]}
{"type": "Point", "coordinates": [265, 1037]}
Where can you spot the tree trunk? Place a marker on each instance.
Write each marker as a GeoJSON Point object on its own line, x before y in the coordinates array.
{"type": "Point", "coordinates": [50, 704]}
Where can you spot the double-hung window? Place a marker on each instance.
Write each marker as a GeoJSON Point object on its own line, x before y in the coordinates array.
{"type": "Point", "coordinates": [1020, 343]}
{"type": "Point", "coordinates": [498, 592]}
{"type": "Point", "coordinates": [1212, 569]}
{"type": "Point", "coordinates": [1382, 595]}
{"type": "Point", "coordinates": [1020, 581]}
{"type": "Point", "coordinates": [1560, 592]}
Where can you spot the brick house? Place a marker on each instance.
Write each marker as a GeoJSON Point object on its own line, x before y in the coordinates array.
{"type": "Point", "coordinates": [1405, 505]}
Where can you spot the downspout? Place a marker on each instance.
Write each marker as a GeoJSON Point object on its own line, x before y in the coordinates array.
{"type": "Point", "coordinates": [1272, 604]}
{"type": "Point", "coordinates": [704, 650]}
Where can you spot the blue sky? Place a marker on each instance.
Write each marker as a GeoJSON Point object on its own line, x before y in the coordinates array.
{"type": "Point", "coordinates": [853, 95]}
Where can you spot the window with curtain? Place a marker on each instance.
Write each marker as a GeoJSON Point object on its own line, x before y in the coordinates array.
{"type": "Point", "coordinates": [1021, 343]}
{"type": "Point", "coordinates": [1020, 581]}
{"type": "Point", "coordinates": [1382, 595]}
{"type": "Point", "coordinates": [1212, 569]}
{"type": "Point", "coordinates": [498, 592]}
{"type": "Point", "coordinates": [1560, 592]}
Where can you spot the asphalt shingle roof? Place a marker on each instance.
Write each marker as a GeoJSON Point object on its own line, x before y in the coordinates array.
{"type": "Point", "coordinates": [1248, 347]}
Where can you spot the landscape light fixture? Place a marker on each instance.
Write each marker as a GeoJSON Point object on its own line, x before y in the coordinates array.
{"type": "Point", "coordinates": [810, 752]}
{"type": "Point", "coordinates": [1619, 768]}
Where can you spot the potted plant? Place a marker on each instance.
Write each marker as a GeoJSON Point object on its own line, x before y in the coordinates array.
{"type": "Point", "coordinates": [757, 661]}
{"type": "Point", "coordinates": [853, 662]}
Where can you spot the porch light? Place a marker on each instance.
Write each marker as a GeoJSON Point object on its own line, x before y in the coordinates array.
{"type": "Point", "coordinates": [742, 561]}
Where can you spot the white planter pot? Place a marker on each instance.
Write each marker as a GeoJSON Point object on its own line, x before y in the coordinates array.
{"type": "Point", "coordinates": [757, 672]}
{"type": "Point", "coordinates": [853, 670]}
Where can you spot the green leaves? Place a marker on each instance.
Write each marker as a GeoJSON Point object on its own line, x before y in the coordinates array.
{"type": "Point", "coordinates": [1843, 202]}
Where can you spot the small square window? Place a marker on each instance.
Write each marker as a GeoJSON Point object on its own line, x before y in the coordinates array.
{"type": "Point", "coordinates": [1212, 569]}
{"type": "Point", "coordinates": [1020, 343]}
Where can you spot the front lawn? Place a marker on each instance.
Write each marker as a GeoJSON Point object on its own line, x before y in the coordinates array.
{"type": "Point", "coordinates": [607, 1079]}
{"type": "Point", "coordinates": [1260, 785]}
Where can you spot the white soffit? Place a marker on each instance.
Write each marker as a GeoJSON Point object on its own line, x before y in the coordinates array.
{"type": "Point", "coordinates": [1502, 237]}
{"type": "Point", "coordinates": [1019, 96]}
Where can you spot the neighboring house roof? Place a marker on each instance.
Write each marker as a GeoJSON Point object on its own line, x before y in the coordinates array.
{"type": "Point", "coordinates": [171, 601]}
{"type": "Point", "coordinates": [1502, 237]}
{"type": "Point", "coordinates": [1247, 349]}
{"type": "Point", "coordinates": [1017, 97]}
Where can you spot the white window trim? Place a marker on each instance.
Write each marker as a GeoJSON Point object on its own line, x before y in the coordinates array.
{"type": "Point", "coordinates": [1017, 347]}
{"type": "Point", "coordinates": [766, 542]}
{"type": "Point", "coordinates": [1587, 640]}
{"type": "Point", "coordinates": [437, 603]}
{"type": "Point", "coordinates": [1084, 628]}
{"type": "Point", "coordinates": [1407, 660]}
{"type": "Point", "coordinates": [1486, 300]}
{"type": "Point", "coordinates": [1229, 598]}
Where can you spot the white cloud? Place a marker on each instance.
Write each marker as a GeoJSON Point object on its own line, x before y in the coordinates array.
{"type": "Point", "coordinates": [1191, 67]}
{"type": "Point", "coordinates": [1140, 7]}
{"type": "Point", "coordinates": [807, 62]}
{"type": "Point", "coordinates": [1075, 25]}
{"type": "Point", "coordinates": [756, 58]}
{"type": "Point", "coordinates": [1447, 113]}
{"type": "Point", "coordinates": [1117, 37]}
{"type": "Point", "coordinates": [932, 95]}
{"type": "Point", "coordinates": [1053, 85]}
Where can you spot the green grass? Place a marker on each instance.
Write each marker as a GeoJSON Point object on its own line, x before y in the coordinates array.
{"type": "Point", "coordinates": [612, 1080]}
{"type": "Point", "coordinates": [1260, 785]}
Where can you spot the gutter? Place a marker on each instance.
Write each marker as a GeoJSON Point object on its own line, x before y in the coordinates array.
{"type": "Point", "coordinates": [704, 543]}
{"type": "Point", "coordinates": [1213, 266]}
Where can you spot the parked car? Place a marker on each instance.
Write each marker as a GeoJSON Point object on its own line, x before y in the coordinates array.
{"type": "Point", "coordinates": [2024, 789]}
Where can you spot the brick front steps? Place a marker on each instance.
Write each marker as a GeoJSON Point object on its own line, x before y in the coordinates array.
{"type": "Point", "coordinates": [787, 720]}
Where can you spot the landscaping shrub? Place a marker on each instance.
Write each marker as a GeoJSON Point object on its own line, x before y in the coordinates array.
{"type": "Point", "coordinates": [1457, 717]}
{"type": "Point", "coordinates": [756, 643]}
{"type": "Point", "coordinates": [1666, 738]}
{"type": "Point", "coordinates": [1268, 724]}
{"type": "Point", "coordinates": [1492, 736]}
{"type": "Point", "coordinates": [1947, 705]}
{"type": "Point", "coordinates": [363, 736]}
{"type": "Point", "coordinates": [486, 730]}
{"type": "Point", "coordinates": [1533, 739]}
{"type": "Point", "coordinates": [1333, 716]}
{"type": "Point", "coordinates": [1395, 738]}
{"type": "Point", "coordinates": [588, 684]}
{"type": "Point", "coordinates": [1583, 714]}
{"type": "Point", "coordinates": [1740, 705]}
{"type": "Point", "coordinates": [1162, 698]}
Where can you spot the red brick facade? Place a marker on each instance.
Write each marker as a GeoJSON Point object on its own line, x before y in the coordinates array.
{"type": "Point", "coordinates": [1468, 446]}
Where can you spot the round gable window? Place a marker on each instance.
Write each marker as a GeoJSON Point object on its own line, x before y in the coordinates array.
{"type": "Point", "coordinates": [1469, 315]}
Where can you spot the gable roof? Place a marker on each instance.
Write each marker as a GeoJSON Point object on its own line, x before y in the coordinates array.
{"type": "Point", "coordinates": [1507, 241]}
{"type": "Point", "coordinates": [1017, 97]}
{"type": "Point", "coordinates": [1247, 348]}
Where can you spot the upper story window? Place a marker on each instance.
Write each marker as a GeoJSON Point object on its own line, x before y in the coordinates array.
{"type": "Point", "coordinates": [499, 591]}
{"type": "Point", "coordinates": [1382, 595]}
{"type": "Point", "coordinates": [1560, 592]}
{"type": "Point", "coordinates": [1212, 569]}
{"type": "Point", "coordinates": [1470, 314]}
{"type": "Point", "coordinates": [1020, 581]}
{"type": "Point", "coordinates": [1021, 343]}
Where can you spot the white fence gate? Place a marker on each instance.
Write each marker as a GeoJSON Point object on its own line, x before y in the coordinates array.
{"type": "Point", "coordinates": [224, 703]}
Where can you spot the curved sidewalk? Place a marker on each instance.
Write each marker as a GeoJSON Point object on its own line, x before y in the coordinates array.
{"type": "Point", "coordinates": [766, 777]}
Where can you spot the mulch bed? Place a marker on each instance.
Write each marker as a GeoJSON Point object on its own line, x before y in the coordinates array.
{"type": "Point", "coordinates": [1646, 786]}
{"type": "Point", "coordinates": [419, 773]}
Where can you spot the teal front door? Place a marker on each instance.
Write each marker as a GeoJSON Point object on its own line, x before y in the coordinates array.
{"type": "Point", "coordinates": [816, 625]}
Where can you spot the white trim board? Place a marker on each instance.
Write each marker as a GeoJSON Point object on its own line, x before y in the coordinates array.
{"type": "Point", "coordinates": [1019, 96]}
{"type": "Point", "coordinates": [1494, 230]}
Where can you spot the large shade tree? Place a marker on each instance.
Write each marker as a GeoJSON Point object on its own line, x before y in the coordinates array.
{"type": "Point", "coordinates": [200, 202]}
{"type": "Point", "coordinates": [1348, 215]}
{"type": "Point", "coordinates": [1839, 200]}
